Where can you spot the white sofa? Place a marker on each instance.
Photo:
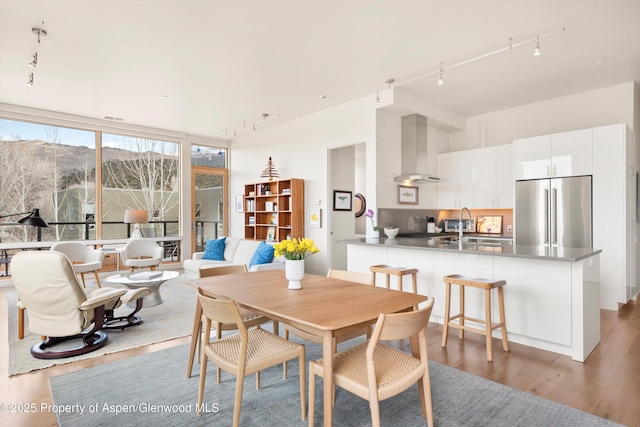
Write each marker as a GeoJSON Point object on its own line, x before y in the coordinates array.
{"type": "Point", "coordinates": [236, 252]}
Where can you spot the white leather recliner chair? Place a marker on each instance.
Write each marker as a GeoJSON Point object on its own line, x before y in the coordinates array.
{"type": "Point", "coordinates": [59, 309]}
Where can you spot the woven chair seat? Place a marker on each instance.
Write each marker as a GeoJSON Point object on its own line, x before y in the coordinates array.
{"type": "Point", "coordinates": [395, 370]}
{"type": "Point", "coordinates": [265, 350]}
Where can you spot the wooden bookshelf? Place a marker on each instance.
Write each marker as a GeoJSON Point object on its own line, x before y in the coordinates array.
{"type": "Point", "coordinates": [273, 210]}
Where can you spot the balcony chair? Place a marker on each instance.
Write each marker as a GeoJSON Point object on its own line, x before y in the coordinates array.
{"type": "Point", "coordinates": [60, 310]}
{"type": "Point", "coordinates": [243, 353]}
{"type": "Point", "coordinates": [142, 253]}
{"type": "Point", "coordinates": [375, 372]}
{"type": "Point", "coordinates": [83, 258]}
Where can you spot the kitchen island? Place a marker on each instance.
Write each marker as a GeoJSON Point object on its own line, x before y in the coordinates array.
{"type": "Point", "coordinates": [552, 296]}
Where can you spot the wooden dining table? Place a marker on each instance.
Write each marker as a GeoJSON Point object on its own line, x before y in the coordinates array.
{"type": "Point", "coordinates": [324, 306]}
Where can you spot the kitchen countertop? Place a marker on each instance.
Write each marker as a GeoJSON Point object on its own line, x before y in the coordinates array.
{"type": "Point", "coordinates": [505, 249]}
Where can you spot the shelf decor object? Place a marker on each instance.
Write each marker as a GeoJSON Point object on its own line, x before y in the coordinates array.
{"type": "Point", "coordinates": [270, 171]}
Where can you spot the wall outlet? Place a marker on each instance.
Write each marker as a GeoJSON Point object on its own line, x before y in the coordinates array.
{"type": "Point", "coordinates": [509, 227]}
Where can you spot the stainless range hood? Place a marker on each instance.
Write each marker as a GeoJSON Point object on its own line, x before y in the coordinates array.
{"type": "Point", "coordinates": [413, 146]}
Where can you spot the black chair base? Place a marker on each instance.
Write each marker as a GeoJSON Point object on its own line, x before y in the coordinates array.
{"type": "Point", "coordinates": [122, 322]}
{"type": "Point", "coordinates": [90, 342]}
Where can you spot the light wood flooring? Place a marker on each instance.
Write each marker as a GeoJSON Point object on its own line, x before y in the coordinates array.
{"type": "Point", "coordinates": [607, 384]}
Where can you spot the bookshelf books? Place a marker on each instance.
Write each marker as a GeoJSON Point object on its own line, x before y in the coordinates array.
{"type": "Point", "coordinates": [274, 210]}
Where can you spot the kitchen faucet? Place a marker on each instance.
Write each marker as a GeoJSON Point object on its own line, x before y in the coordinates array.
{"type": "Point", "coordinates": [460, 227]}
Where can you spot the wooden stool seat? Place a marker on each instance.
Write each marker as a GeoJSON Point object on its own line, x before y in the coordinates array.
{"type": "Point", "coordinates": [487, 285]}
{"type": "Point", "coordinates": [399, 272]}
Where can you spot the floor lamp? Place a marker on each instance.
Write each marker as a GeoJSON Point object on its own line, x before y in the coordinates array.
{"type": "Point", "coordinates": [33, 219]}
{"type": "Point", "coordinates": [136, 216]}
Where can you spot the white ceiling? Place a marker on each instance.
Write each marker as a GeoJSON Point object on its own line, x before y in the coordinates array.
{"type": "Point", "coordinates": [222, 63]}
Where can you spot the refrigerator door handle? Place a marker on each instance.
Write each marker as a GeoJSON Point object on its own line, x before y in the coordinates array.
{"type": "Point", "coordinates": [546, 216]}
{"type": "Point", "coordinates": [554, 217]}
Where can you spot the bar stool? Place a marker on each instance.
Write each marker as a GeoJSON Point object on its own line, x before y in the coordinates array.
{"type": "Point", "coordinates": [487, 285]}
{"type": "Point", "coordinates": [399, 272]}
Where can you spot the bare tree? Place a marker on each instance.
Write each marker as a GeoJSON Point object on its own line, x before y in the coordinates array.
{"type": "Point", "coordinates": [148, 178]}
{"type": "Point", "coordinates": [22, 185]}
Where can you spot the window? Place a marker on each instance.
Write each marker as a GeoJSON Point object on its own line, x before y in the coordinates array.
{"type": "Point", "coordinates": [139, 173]}
{"type": "Point", "coordinates": [53, 168]}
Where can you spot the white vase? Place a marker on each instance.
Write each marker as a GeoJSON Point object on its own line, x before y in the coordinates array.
{"type": "Point", "coordinates": [294, 272]}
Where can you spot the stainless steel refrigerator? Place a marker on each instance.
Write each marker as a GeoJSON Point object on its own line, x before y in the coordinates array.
{"type": "Point", "coordinates": [556, 212]}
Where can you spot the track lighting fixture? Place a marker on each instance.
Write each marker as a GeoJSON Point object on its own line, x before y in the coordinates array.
{"type": "Point", "coordinates": [247, 126]}
{"type": "Point", "coordinates": [537, 51]}
{"type": "Point", "coordinates": [34, 62]}
{"type": "Point", "coordinates": [38, 31]}
{"type": "Point", "coordinates": [510, 46]}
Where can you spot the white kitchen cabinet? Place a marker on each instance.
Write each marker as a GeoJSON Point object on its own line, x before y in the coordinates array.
{"type": "Point", "coordinates": [613, 213]}
{"type": "Point", "coordinates": [505, 182]}
{"type": "Point", "coordinates": [556, 155]}
{"type": "Point", "coordinates": [532, 157]}
{"type": "Point", "coordinates": [572, 153]}
{"type": "Point", "coordinates": [458, 187]}
{"type": "Point", "coordinates": [486, 177]}
{"type": "Point", "coordinates": [479, 178]}
{"type": "Point", "coordinates": [494, 177]}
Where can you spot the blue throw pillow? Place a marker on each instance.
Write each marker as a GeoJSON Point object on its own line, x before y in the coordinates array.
{"type": "Point", "coordinates": [214, 249]}
{"type": "Point", "coordinates": [262, 255]}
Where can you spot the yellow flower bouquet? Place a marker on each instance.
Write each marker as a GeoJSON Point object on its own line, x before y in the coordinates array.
{"type": "Point", "coordinates": [295, 249]}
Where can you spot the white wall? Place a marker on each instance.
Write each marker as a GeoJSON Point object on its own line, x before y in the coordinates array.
{"type": "Point", "coordinates": [299, 150]}
{"type": "Point", "coordinates": [579, 111]}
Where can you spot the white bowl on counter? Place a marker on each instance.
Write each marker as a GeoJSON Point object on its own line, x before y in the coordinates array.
{"type": "Point", "coordinates": [391, 232]}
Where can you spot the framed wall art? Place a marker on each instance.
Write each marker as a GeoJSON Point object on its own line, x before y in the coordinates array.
{"type": "Point", "coordinates": [342, 200]}
{"type": "Point", "coordinates": [314, 218]}
{"type": "Point", "coordinates": [239, 203]}
{"type": "Point", "coordinates": [407, 195]}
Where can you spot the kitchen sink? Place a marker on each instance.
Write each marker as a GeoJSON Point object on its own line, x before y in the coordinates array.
{"type": "Point", "coordinates": [472, 241]}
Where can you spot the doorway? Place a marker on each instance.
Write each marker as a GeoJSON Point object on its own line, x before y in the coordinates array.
{"type": "Point", "coordinates": [347, 172]}
{"type": "Point", "coordinates": [209, 206]}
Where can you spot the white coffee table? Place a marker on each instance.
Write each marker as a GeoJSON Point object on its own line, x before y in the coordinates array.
{"type": "Point", "coordinates": [154, 298]}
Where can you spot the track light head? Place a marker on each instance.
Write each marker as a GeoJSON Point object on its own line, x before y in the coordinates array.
{"type": "Point", "coordinates": [537, 52]}
{"type": "Point", "coordinates": [440, 81]}
{"type": "Point", "coordinates": [33, 63]}
{"type": "Point", "coordinates": [30, 81]}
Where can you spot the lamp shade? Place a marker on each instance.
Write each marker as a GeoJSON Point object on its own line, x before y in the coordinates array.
{"type": "Point", "coordinates": [34, 219]}
{"type": "Point", "coordinates": [135, 216]}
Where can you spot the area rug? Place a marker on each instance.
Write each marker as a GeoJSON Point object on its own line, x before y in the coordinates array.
{"type": "Point", "coordinates": [152, 390]}
{"type": "Point", "coordinates": [171, 319]}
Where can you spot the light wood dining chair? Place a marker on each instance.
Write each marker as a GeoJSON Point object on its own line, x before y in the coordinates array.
{"type": "Point", "coordinates": [250, 318]}
{"type": "Point", "coordinates": [375, 372]}
{"type": "Point", "coordinates": [241, 354]}
{"type": "Point", "coordinates": [350, 276]}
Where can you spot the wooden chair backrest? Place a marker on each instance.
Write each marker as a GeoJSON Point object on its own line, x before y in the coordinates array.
{"type": "Point", "coordinates": [220, 310]}
{"type": "Point", "coordinates": [350, 276]}
{"type": "Point", "coordinates": [219, 271]}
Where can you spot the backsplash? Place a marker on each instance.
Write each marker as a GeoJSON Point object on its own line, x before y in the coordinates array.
{"type": "Point", "coordinates": [415, 220]}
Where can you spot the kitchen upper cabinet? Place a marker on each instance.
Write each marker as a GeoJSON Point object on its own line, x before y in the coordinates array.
{"type": "Point", "coordinates": [505, 182]}
{"type": "Point", "coordinates": [458, 171]}
{"type": "Point", "coordinates": [557, 155]}
{"type": "Point", "coordinates": [479, 178]}
{"type": "Point", "coordinates": [494, 177]}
